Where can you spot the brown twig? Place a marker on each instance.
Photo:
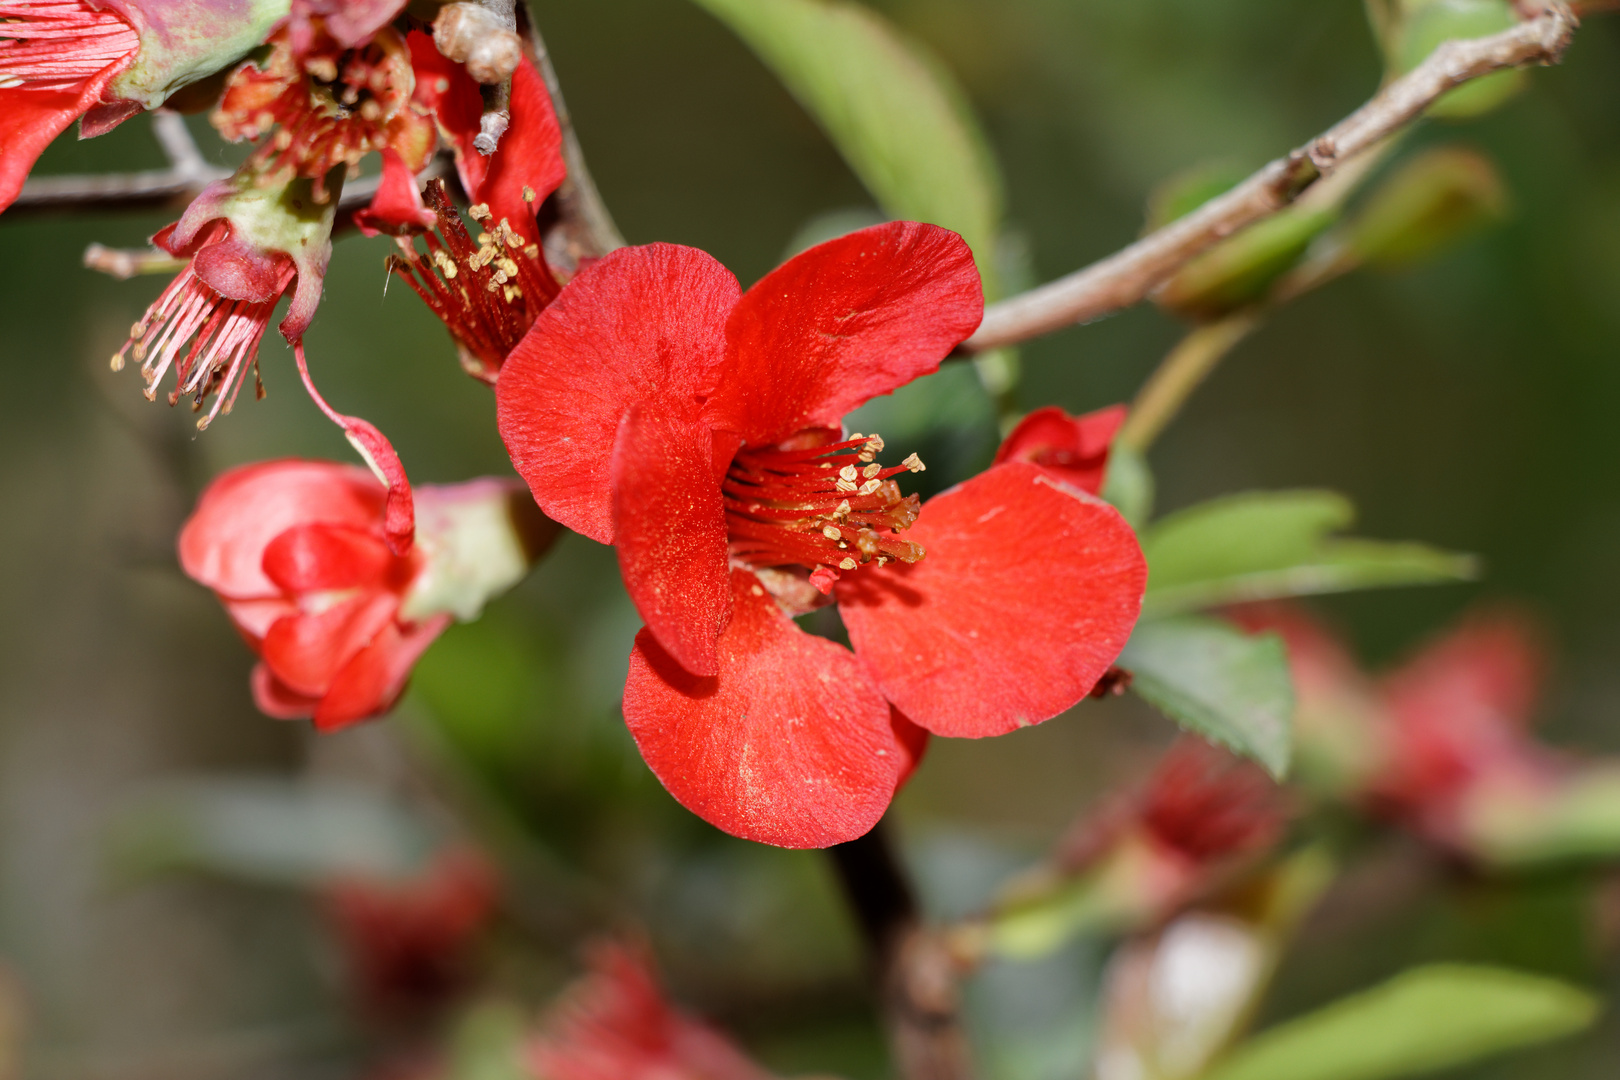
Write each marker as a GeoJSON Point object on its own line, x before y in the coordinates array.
{"type": "Point", "coordinates": [1129, 275]}
{"type": "Point", "coordinates": [917, 974]}
{"type": "Point", "coordinates": [584, 227]}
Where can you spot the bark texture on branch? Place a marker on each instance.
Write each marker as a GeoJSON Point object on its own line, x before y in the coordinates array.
{"type": "Point", "coordinates": [1127, 276]}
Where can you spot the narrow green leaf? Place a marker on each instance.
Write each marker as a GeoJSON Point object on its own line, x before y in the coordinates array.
{"type": "Point", "coordinates": [1213, 679]}
{"type": "Point", "coordinates": [1423, 1020]}
{"type": "Point", "coordinates": [898, 117]}
{"type": "Point", "coordinates": [1264, 545]}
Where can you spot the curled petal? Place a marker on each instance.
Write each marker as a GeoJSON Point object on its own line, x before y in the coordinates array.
{"type": "Point", "coordinates": [1073, 448]}
{"type": "Point", "coordinates": [306, 651]}
{"type": "Point", "coordinates": [370, 683]}
{"type": "Point", "coordinates": [641, 327]}
{"type": "Point", "coordinates": [276, 699]}
{"type": "Point", "coordinates": [845, 321]}
{"type": "Point", "coordinates": [222, 544]}
{"type": "Point", "coordinates": [790, 744]}
{"type": "Point", "coordinates": [320, 557]}
{"type": "Point", "coordinates": [670, 529]}
{"type": "Point", "coordinates": [1028, 592]}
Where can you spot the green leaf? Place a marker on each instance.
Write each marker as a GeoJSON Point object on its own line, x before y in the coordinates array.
{"type": "Point", "coordinates": [1423, 1020]}
{"type": "Point", "coordinates": [897, 116]}
{"type": "Point", "coordinates": [1210, 677]}
{"type": "Point", "coordinates": [1264, 545]}
{"type": "Point", "coordinates": [1428, 23]}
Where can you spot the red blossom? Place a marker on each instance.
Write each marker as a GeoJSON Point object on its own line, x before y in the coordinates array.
{"type": "Point", "coordinates": [56, 59]}
{"type": "Point", "coordinates": [316, 565]}
{"type": "Point", "coordinates": [409, 944]}
{"type": "Point", "coordinates": [105, 61]}
{"type": "Point", "coordinates": [329, 105]}
{"type": "Point", "coordinates": [1440, 744]}
{"type": "Point", "coordinates": [1201, 813]}
{"type": "Point", "coordinates": [615, 1024]}
{"type": "Point", "coordinates": [1073, 448]}
{"type": "Point", "coordinates": [657, 407]}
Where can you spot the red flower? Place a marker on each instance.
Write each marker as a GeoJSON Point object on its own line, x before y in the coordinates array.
{"type": "Point", "coordinates": [65, 59]}
{"type": "Point", "coordinates": [616, 1025]}
{"type": "Point", "coordinates": [247, 245]}
{"type": "Point", "coordinates": [409, 943]}
{"type": "Point", "coordinates": [315, 564]}
{"type": "Point", "coordinates": [1073, 448]}
{"type": "Point", "coordinates": [1441, 745]}
{"type": "Point", "coordinates": [656, 407]}
{"type": "Point", "coordinates": [330, 103]}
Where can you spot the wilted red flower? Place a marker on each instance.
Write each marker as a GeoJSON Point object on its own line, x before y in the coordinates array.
{"type": "Point", "coordinates": [247, 245]}
{"type": "Point", "coordinates": [656, 407]}
{"type": "Point", "coordinates": [329, 103]}
{"type": "Point", "coordinates": [614, 1024]}
{"type": "Point", "coordinates": [1073, 448]}
{"type": "Point", "coordinates": [319, 573]}
{"type": "Point", "coordinates": [65, 59]}
{"type": "Point", "coordinates": [409, 944]}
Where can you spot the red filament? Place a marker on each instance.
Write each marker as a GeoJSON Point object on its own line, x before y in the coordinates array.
{"type": "Point", "coordinates": [57, 44]}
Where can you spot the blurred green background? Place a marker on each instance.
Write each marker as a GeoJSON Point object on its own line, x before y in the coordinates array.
{"type": "Point", "coordinates": [1471, 403]}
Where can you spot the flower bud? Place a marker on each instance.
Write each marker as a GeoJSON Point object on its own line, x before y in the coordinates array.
{"type": "Point", "coordinates": [1239, 270]}
{"type": "Point", "coordinates": [1432, 201]}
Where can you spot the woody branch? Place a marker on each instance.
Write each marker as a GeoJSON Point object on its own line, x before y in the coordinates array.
{"type": "Point", "coordinates": [1127, 276]}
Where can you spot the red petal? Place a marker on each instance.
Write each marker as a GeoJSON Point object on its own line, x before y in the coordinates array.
{"type": "Point", "coordinates": [254, 618]}
{"type": "Point", "coordinates": [913, 742]}
{"type": "Point", "coordinates": [444, 89]}
{"type": "Point", "coordinates": [529, 155]}
{"type": "Point", "coordinates": [670, 529]}
{"type": "Point", "coordinates": [642, 326]}
{"type": "Point", "coordinates": [314, 557]}
{"type": "Point", "coordinates": [222, 544]}
{"type": "Point", "coordinates": [1484, 674]}
{"type": "Point", "coordinates": [1027, 594]}
{"type": "Point", "coordinates": [306, 651]}
{"type": "Point", "coordinates": [1073, 448]}
{"type": "Point", "coordinates": [239, 270]}
{"type": "Point", "coordinates": [790, 744]}
{"type": "Point", "coordinates": [370, 683]}
{"type": "Point", "coordinates": [397, 207]}
{"type": "Point", "coordinates": [276, 699]}
{"type": "Point", "coordinates": [30, 119]}
{"type": "Point", "coordinates": [843, 322]}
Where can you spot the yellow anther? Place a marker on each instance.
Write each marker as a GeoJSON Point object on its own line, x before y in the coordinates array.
{"type": "Point", "coordinates": [528, 193]}
{"type": "Point", "coordinates": [845, 485]}
{"type": "Point", "coordinates": [831, 532]}
{"type": "Point", "coordinates": [914, 463]}
{"type": "Point", "coordinates": [871, 470]}
{"type": "Point", "coordinates": [848, 564]}
{"type": "Point", "coordinates": [479, 212]}
{"type": "Point", "coordinates": [842, 511]}
{"type": "Point", "coordinates": [848, 473]}
{"type": "Point", "coordinates": [870, 486]}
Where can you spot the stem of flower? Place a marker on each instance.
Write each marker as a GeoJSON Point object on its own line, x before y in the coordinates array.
{"type": "Point", "coordinates": [1179, 374]}
{"type": "Point", "coordinates": [917, 975]}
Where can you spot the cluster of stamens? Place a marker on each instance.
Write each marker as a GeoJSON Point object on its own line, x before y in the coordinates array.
{"type": "Point", "coordinates": [223, 334]}
{"type": "Point", "coordinates": [57, 44]}
{"type": "Point", "coordinates": [830, 508]}
{"type": "Point", "coordinates": [328, 108]}
{"type": "Point", "coordinates": [487, 291]}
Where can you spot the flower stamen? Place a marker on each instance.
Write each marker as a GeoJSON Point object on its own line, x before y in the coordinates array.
{"type": "Point", "coordinates": [821, 507]}
{"type": "Point", "coordinates": [57, 44]}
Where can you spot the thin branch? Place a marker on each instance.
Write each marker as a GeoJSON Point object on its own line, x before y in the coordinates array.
{"type": "Point", "coordinates": [917, 973]}
{"type": "Point", "coordinates": [584, 228]}
{"type": "Point", "coordinates": [1127, 276]}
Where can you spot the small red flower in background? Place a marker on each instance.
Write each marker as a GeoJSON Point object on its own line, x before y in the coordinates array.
{"type": "Point", "coordinates": [320, 574]}
{"type": "Point", "coordinates": [656, 407]}
{"type": "Point", "coordinates": [410, 944]}
{"type": "Point", "coordinates": [1074, 448]}
{"type": "Point", "coordinates": [1203, 813]}
{"type": "Point", "coordinates": [615, 1024]}
{"type": "Point", "coordinates": [1441, 745]}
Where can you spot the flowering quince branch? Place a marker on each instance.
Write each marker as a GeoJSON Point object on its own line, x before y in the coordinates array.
{"type": "Point", "coordinates": [1127, 276]}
